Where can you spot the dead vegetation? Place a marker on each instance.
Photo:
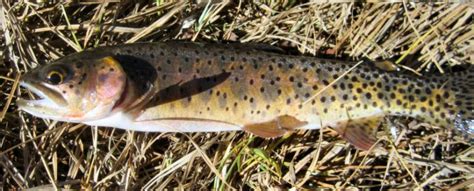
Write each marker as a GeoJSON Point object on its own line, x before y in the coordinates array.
{"type": "Point", "coordinates": [423, 38]}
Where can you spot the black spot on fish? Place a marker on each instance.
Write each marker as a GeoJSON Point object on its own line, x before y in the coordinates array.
{"type": "Point", "coordinates": [446, 95]}
{"type": "Point", "coordinates": [280, 65]}
{"type": "Point", "coordinates": [325, 82]}
{"type": "Point", "coordinates": [300, 85]}
{"type": "Point", "coordinates": [379, 84]}
{"type": "Point", "coordinates": [428, 91]}
{"type": "Point", "coordinates": [350, 86]}
{"type": "Point", "coordinates": [368, 95]}
{"type": "Point", "coordinates": [342, 86]}
{"type": "Point", "coordinates": [399, 102]}
{"type": "Point", "coordinates": [380, 95]}
{"type": "Point", "coordinates": [323, 99]}
{"type": "Point", "coordinates": [354, 79]}
{"type": "Point", "coordinates": [430, 103]}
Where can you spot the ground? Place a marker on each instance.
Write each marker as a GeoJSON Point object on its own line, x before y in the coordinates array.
{"type": "Point", "coordinates": [423, 38]}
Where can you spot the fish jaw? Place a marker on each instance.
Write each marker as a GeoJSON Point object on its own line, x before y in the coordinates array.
{"type": "Point", "coordinates": [49, 105]}
{"type": "Point", "coordinates": [46, 94]}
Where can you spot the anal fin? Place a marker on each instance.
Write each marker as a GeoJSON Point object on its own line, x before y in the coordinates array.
{"type": "Point", "coordinates": [360, 132]}
{"type": "Point", "coordinates": [274, 128]}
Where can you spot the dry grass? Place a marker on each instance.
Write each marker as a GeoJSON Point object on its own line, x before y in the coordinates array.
{"type": "Point", "coordinates": [423, 38]}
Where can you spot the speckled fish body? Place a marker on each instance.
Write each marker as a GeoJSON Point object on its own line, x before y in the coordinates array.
{"type": "Point", "coordinates": [190, 87]}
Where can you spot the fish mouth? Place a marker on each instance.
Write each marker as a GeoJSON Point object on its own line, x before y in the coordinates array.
{"type": "Point", "coordinates": [47, 98]}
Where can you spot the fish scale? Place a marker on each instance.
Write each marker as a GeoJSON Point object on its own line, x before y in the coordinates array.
{"type": "Point", "coordinates": [182, 87]}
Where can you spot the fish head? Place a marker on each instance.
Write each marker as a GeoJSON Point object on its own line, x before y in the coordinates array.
{"type": "Point", "coordinates": [75, 90]}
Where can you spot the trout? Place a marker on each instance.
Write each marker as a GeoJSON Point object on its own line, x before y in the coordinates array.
{"type": "Point", "coordinates": [196, 87]}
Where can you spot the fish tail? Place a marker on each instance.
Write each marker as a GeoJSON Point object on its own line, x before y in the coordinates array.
{"type": "Point", "coordinates": [463, 87]}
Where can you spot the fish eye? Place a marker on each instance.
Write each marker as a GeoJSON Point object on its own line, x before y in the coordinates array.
{"type": "Point", "coordinates": [55, 77]}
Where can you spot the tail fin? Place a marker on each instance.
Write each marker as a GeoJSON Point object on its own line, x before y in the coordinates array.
{"type": "Point", "coordinates": [463, 87]}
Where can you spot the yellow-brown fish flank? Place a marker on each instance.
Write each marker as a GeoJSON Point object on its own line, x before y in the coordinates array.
{"type": "Point", "coordinates": [262, 84]}
{"type": "Point", "coordinates": [272, 78]}
{"type": "Point", "coordinates": [251, 88]}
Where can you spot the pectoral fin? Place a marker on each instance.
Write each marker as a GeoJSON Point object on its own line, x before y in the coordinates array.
{"type": "Point", "coordinates": [360, 132]}
{"type": "Point", "coordinates": [274, 128]}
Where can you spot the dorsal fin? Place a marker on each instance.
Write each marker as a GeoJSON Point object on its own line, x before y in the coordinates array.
{"type": "Point", "coordinates": [256, 46]}
{"type": "Point", "coordinates": [263, 47]}
{"type": "Point", "coordinates": [385, 65]}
